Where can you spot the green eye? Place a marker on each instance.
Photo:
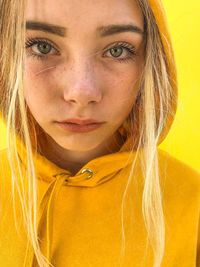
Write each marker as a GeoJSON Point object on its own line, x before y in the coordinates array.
{"type": "Point", "coordinates": [116, 52]}
{"type": "Point", "coordinates": [122, 52]}
{"type": "Point", "coordinates": [44, 47]}
{"type": "Point", "coordinates": [40, 48]}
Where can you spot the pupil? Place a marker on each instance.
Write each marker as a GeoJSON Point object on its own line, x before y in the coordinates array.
{"type": "Point", "coordinates": [116, 51]}
{"type": "Point", "coordinates": [44, 48]}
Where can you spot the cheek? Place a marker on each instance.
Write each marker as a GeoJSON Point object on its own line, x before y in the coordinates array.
{"type": "Point", "coordinates": [121, 99]}
{"type": "Point", "coordinates": [35, 93]}
{"type": "Point", "coordinates": [36, 87]}
{"type": "Point", "coordinates": [124, 86]}
{"type": "Point", "coordinates": [124, 92]}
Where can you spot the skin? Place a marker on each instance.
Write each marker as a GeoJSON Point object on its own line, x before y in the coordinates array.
{"type": "Point", "coordinates": [83, 79]}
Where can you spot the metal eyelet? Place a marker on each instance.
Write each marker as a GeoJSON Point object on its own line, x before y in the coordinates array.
{"type": "Point", "coordinates": [88, 171]}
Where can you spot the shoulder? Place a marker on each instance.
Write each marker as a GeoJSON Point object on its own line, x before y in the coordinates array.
{"type": "Point", "coordinates": [177, 175]}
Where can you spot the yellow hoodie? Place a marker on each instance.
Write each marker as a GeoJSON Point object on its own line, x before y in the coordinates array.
{"type": "Point", "coordinates": [80, 215]}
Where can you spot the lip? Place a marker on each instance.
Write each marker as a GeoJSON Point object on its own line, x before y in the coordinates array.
{"type": "Point", "coordinates": [77, 128]}
{"type": "Point", "coordinates": [80, 121]}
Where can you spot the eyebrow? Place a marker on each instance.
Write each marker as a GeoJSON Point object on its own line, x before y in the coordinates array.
{"type": "Point", "coordinates": [103, 30]}
{"type": "Point", "coordinates": [118, 28]}
{"type": "Point", "coordinates": [46, 27]}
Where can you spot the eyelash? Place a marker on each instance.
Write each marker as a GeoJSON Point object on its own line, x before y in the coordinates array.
{"type": "Point", "coordinates": [129, 48]}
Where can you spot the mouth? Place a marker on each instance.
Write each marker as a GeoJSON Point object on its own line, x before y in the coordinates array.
{"type": "Point", "coordinates": [78, 121]}
{"type": "Point", "coordinates": [79, 128]}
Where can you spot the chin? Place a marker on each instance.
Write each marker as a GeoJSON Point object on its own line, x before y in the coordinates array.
{"type": "Point", "coordinates": [78, 145]}
{"type": "Point", "coordinates": [78, 142]}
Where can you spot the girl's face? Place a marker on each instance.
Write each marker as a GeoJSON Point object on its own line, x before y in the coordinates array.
{"type": "Point", "coordinates": [85, 65]}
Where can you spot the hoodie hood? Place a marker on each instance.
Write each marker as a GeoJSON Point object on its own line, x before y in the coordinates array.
{"type": "Point", "coordinates": [101, 169]}
{"type": "Point", "coordinates": [100, 164]}
{"type": "Point", "coordinates": [51, 170]}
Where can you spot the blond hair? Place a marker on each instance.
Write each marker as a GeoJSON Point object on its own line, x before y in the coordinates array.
{"type": "Point", "coordinates": [147, 123]}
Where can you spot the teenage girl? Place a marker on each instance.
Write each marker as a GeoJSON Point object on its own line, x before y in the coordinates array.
{"type": "Point", "coordinates": [88, 91]}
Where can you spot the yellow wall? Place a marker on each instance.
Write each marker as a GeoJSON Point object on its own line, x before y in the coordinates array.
{"type": "Point", "coordinates": [183, 140]}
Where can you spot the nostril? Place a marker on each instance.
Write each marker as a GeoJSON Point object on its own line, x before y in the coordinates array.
{"type": "Point", "coordinates": [71, 100]}
{"type": "Point", "coordinates": [82, 95]}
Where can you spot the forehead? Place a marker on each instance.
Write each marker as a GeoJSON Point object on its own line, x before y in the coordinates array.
{"type": "Point", "coordinates": [84, 14]}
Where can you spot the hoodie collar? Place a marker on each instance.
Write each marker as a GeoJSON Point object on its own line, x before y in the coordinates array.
{"type": "Point", "coordinates": [93, 173]}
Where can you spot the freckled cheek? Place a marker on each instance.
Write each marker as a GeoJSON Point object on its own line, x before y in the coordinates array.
{"type": "Point", "coordinates": [39, 81]}
{"type": "Point", "coordinates": [36, 93]}
{"type": "Point", "coordinates": [126, 84]}
{"type": "Point", "coordinates": [122, 95]}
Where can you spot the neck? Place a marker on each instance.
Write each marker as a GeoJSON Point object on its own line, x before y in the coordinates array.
{"type": "Point", "coordinates": [73, 161]}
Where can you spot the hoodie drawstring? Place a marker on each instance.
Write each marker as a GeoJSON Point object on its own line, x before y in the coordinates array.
{"type": "Point", "coordinates": [46, 209]}
{"type": "Point", "coordinates": [45, 232]}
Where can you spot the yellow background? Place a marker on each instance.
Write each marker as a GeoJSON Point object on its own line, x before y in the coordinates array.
{"type": "Point", "coordinates": [183, 140]}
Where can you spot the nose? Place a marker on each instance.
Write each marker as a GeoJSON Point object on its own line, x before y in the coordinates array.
{"type": "Point", "coordinates": [81, 87]}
